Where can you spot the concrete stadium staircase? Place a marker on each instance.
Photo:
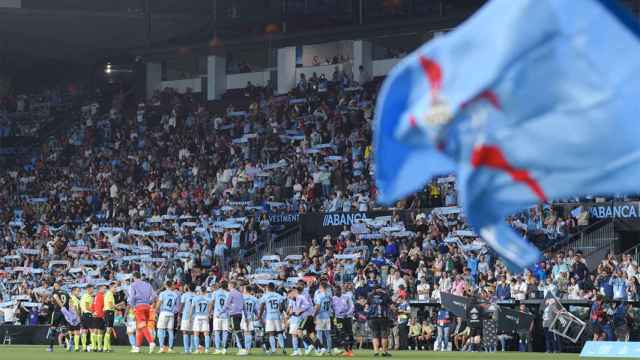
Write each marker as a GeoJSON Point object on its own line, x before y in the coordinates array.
{"type": "Point", "coordinates": [288, 242]}
{"type": "Point", "coordinates": [595, 242]}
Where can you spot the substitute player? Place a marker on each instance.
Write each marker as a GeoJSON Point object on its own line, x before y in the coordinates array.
{"type": "Point", "coordinates": [141, 296]}
{"type": "Point", "coordinates": [235, 306]}
{"type": "Point", "coordinates": [302, 309]}
{"type": "Point", "coordinates": [307, 325]}
{"type": "Point", "coordinates": [343, 308]}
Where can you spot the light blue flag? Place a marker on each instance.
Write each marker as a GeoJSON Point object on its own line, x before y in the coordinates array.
{"type": "Point", "coordinates": [528, 100]}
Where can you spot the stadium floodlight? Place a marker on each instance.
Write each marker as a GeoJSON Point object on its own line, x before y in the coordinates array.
{"type": "Point", "coordinates": [110, 69]}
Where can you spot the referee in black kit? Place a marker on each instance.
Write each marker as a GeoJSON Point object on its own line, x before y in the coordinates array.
{"type": "Point", "coordinates": [378, 309]}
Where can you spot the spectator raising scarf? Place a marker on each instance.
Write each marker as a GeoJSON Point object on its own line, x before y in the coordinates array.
{"type": "Point", "coordinates": [522, 100]}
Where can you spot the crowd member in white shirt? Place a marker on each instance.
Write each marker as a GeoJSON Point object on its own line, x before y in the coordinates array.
{"type": "Point", "coordinates": [445, 283]}
{"type": "Point", "coordinates": [394, 281]}
{"type": "Point", "coordinates": [518, 289]}
{"type": "Point", "coordinates": [363, 202]}
{"type": "Point", "coordinates": [113, 190]}
{"type": "Point", "coordinates": [573, 290]}
{"type": "Point", "coordinates": [423, 289]}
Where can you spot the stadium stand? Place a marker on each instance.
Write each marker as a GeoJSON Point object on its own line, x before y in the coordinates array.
{"type": "Point", "coordinates": [194, 193]}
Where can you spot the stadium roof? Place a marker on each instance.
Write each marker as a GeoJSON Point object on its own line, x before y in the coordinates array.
{"type": "Point", "coordinates": [86, 30]}
{"type": "Point", "coordinates": [83, 36]}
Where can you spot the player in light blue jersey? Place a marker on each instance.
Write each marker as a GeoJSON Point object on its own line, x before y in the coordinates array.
{"type": "Point", "coordinates": [220, 318]}
{"type": "Point", "coordinates": [167, 306]}
{"type": "Point", "coordinates": [200, 310]}
{"type": "Point", "coordinates": [271, 305]}
{"type": "Point", "coordinates": [249, 315]}
{"type": "Point", "coordinates": [293, 321]}
{"type": "Point", "coordinates": [186, 321]}
{"type": "Point", "coordinates": [323, 308]}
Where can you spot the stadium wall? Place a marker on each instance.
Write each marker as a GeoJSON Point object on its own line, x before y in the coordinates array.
{"type": "Point", "coordinates": [194, 84]}
{"type": "Point", "coordinates": [382, 67]}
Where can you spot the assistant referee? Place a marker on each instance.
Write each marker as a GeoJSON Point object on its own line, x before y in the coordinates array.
{"type": "Point", "coordinates": [86, 308]}
{"type": "Point", "coordinates": [109, 314]}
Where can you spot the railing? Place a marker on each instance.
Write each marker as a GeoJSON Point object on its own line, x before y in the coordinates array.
{"type": "Point", "coordinates": [594, 238]}
{"type": "Point", "coordinates": [290, 237]}
{"type": "Point", "coordinates": [635, 253]}
{"type": "Point", "coordinates": [290, 250]}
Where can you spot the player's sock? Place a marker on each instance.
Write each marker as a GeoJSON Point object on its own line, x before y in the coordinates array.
{"type": "Point", "coordinates": [327, 337]}
{"type": "Point", "coordinates": [216, 339]}
{"type": "Point", "coordinates": [147, 335]}
{"type": "Point", "coordinates": [225, 338]}
{"type": "Point", "coordinates": [238, 340]}
{"type": "Point", "coordinates": [281, 340]}
{"type": "Point", "coordinates": [76, 342]}
{"type": "Point", "coordinates": [186, 342]}
{"type": "Point", "coordinates": [51, 334]}
{"type": "Point", "coordinates": [139, 337]}
{"type": "Point", "coordinates": [194, 348]}
{"type": "Point", "coordinates": [196, 342]}
{"type": "Point", "coordinates": [171, 338]}
{"type": "Point", "coordinates": [132, 340]}
{"type": "Point", "coordinates": [161, 335]}
{"type": "Point", "coordinates": [99, 341]}
{"type": "Point", "coordinates": [92, 339]}
{"type": "Point", "coordinates": [247, 342]}
{"type": "Point", "coordinates": [83, 338]}
{"type": "Point", "coordinates": [294, 342]}
{"type": "Point", "coordinates": [207, 342]}
{"type": "Point", "coordinates": [272, 343]}
{"type": "Point", "coordinates": [305, 343]}
{"type": "Point", "coordinates": [107, 340]}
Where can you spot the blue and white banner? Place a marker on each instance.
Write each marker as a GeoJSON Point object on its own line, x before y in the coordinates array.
{"type": "Point", "coordinates": [615, 210]}
{"type": "Point", "coordinates": [614, 349]}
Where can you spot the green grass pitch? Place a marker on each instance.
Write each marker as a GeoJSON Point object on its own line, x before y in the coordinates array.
{"type": "Point", "coordinates": [17, 352]}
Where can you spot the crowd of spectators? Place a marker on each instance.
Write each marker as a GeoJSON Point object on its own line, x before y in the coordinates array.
{"type": "Point", "coordinates": [25, 115]}
{"type": "Point", "coordinates": [179, 192]}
